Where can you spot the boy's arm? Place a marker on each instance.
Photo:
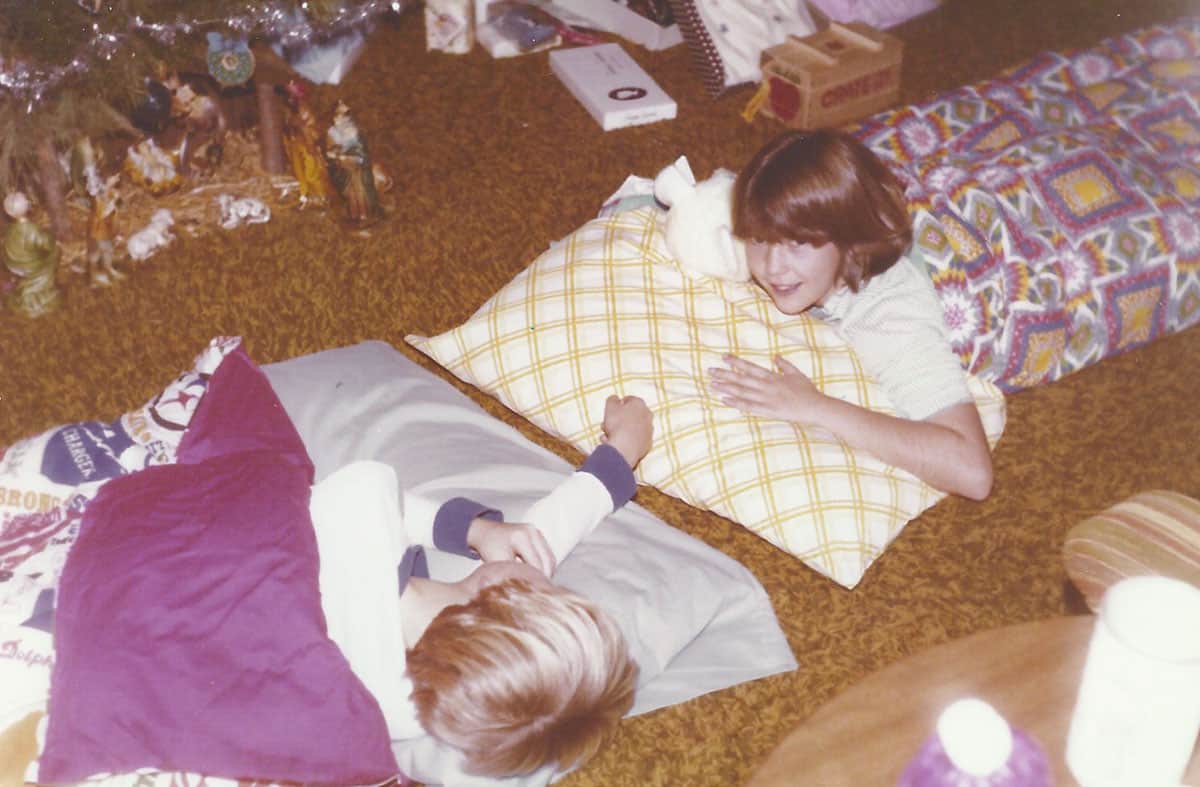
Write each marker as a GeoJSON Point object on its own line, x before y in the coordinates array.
{"type": "Point", "coordinates": [552, 526]}
{"type": "Point", "coordinates": [603, 483]}
{"type": "Point", "coordinates": [558, 521]}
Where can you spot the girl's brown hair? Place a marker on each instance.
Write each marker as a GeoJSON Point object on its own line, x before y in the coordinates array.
{"type": "Point", "coordinates": [819, 187]}
{"type": "Point", "coordinates": [522, 676]}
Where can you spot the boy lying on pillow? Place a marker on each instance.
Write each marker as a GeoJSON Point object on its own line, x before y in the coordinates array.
{"type": "Point", "coordinates": [505, 666]}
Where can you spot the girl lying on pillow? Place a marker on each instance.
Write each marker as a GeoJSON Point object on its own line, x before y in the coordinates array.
{"type": "Point", "coordinates": [508, 668]}
{"type": "Point", "coordinates": [827, 231]}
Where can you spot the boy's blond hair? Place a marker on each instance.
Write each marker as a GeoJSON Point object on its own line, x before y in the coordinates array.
{"type": "Point", "coordinates": [522, 676]}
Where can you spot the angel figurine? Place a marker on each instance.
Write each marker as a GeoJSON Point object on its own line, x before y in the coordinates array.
{"type": "Point", "coordinates": [350, 169]}
{"type": "Point", "coordinates": [31, 253]}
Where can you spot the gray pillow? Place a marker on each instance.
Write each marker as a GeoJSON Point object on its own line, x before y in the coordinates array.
{"type": "Point", "coordinates": [687, 610]}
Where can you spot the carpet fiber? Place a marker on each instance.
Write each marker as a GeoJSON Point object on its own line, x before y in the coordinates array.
{"type": "Point", "coordinates": [492, 161]}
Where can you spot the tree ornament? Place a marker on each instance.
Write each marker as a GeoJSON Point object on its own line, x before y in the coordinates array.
{"type": "Point", "coordinates": [230, 61]}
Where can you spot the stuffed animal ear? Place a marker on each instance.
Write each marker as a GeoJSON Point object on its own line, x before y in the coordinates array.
{"type": "Point", "coordinates": [699, 225]}
{"type": "Point", "coordinates": [674, 181]}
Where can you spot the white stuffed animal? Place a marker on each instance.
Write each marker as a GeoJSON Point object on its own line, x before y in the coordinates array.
{"type": "Point", "coordinates": [699, 225]}
{"type": "Point", "coordinates": [152, 237]}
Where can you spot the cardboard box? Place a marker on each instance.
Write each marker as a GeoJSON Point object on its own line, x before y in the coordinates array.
{"type": "Point", "coordinates": [612, 86]}
{"type": "Point", "coordinates": [839, 74]}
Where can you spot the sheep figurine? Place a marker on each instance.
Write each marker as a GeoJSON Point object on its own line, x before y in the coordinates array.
{"type": "Point", "coordinates": [155, 235]}
{"type": "Point", "coordinates": [700, 221]}
{"type": "Point", "coordinates": [236, 211]}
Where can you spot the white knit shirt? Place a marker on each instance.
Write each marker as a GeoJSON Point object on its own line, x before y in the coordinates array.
{"type": "Point", "coordinates": [364, 523]}
{"type": "Point", "coordinates": [895, 326]}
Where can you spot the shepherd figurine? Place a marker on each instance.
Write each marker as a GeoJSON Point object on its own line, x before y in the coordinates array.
{"type": "Point", "coordinates": [31, 253]}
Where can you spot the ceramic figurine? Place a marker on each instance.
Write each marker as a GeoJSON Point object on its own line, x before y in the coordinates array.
{"type": "Point", "coordinates": [84, 170]}
{"type": "Point", "coordinates": [150, 167]}
{"type": "Point", "coordinates": [204, 126]}
{"type": "Point", "coordinates": [236, 211]}
{"type": "Point", "coordinates": [302, 142]}
{"type": "Point", "coordinates": [101, 231]}
{"type": "Point", "coordinates": [154, 236]}
{"type": "Point", "coordinates": [31, 253]}
{"type": "Point", "coordinates": [350, 168]}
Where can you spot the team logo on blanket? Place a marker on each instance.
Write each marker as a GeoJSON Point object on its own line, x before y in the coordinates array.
{"type": "Point", "coordinates": [84, 452]}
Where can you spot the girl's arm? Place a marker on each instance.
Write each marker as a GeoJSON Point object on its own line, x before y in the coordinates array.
{"type": "Point", "coordinates": [947, 450]}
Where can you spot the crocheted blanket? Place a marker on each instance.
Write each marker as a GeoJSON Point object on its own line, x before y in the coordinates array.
{"type": "Point", "coordinates": [1057, 202]}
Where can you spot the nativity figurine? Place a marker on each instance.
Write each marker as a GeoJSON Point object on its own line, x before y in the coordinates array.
{"type": "Point", "coordinates": [351, 170]}
{"type": "Point", "coordinates": [31, 254]}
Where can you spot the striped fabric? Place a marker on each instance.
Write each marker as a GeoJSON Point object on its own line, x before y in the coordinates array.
{"type": "Point", "coordinates": [1155, 532]}
{"type": "Point", "coordinates": [607, 310]}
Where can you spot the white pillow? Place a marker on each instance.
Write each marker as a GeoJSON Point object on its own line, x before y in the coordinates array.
{"type": "Point", "coordinates": [686, 609]}
{"type": "Point", "coordinates": [607, 310]}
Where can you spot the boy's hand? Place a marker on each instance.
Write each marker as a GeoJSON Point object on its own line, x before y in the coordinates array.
{"type": "Point", "coordinates": [495, 540]}
{"type": "Point", "coordinates": [628, 427]}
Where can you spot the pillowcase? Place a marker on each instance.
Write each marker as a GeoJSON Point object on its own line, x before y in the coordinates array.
{"type": "Point", "coordinates": [189, 634]}
{"type": "Point", "coordinates": [687, 610]}
{"type": "Point", "coordinates": [47, 480]}
{"type": "Point", "coordinates": [726, 38]}
{"type": "Point", "coordinates": [607, 310]}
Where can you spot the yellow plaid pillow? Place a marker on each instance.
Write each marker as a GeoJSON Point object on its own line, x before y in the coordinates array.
{"type": "Point", "coordinates": [607, 310]}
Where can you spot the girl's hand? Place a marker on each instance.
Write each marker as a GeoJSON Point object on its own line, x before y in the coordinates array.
{"type": "Point", "coordinates": [495, 540]}
{"type": "Point", "coordinates": [788, 394]}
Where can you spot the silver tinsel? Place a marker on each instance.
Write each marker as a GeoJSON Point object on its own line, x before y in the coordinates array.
{"type": "Point", "coordinates": [272, 22]}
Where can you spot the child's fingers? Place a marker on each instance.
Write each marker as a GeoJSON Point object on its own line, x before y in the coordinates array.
{"type": "Point", "coordinates": [742, 366]}
{"type": "Point", "coordinates": [784, 365]}
{"type": "Point", "coordinates": [537, 553]}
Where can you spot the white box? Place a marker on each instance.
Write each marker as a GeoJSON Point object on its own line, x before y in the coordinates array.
{"type": "Point", "coordinates": [613, 87]}
{"type": "Point", "coordinates": [614, 17]}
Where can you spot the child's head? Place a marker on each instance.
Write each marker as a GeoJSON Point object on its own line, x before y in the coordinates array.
{"type": "Point", "coordinates": [521, 676]}
{"type": "Point", "coordinates": [813, 189]}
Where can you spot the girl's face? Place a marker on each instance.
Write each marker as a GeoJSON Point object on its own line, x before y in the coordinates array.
{"type": "Point", "coordinates": [795, 275]}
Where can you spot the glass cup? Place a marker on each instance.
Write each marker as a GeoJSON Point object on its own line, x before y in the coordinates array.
{"type": "Point", "coordinates": [1138, 713]}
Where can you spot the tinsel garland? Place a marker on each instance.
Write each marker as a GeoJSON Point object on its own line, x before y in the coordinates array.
{"type": "Point", "coordinates": [275, 22]}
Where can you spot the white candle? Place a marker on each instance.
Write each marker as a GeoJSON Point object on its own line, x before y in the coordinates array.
{"type": "Point", "coordinates": [1138, 712]}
